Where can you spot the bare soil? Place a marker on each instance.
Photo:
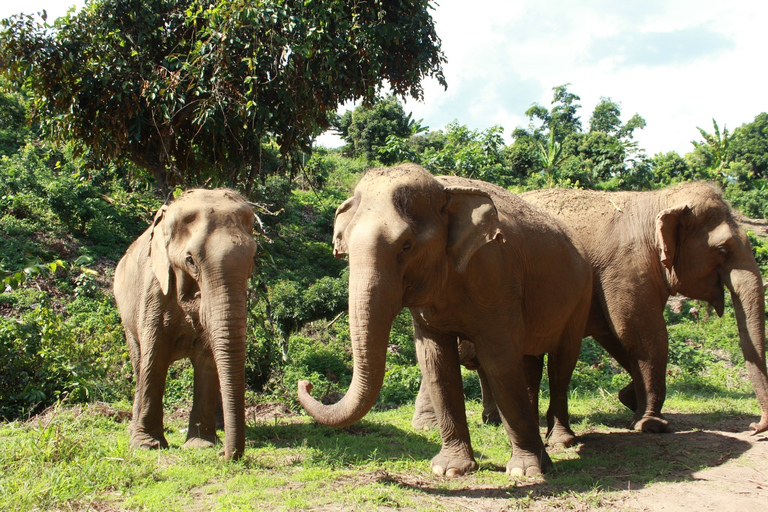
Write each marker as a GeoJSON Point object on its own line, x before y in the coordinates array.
{"type": "Point", "coordinates": [708, 470]}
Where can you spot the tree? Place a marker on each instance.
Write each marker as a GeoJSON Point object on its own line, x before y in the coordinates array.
{"type": "Point", "coordinates": [717, 145]}
{"type": "Point", "coordinates": [191, 89]}
{"type": "Point", "coordinates": [367, 127]}
{"type": "Point", "coordinates": [606, 117]}
{"type": "Point", "coordinates": [749, 144]}
{"type": "Point", "coordinates": [550, 157]}
{"type": "Point", "coordinates": [563, 115]}
{"type": "Point", "coordinates": [670, 168]}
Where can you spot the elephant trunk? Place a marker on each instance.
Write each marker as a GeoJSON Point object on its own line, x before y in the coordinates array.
{"type": "Point", "coordinates": [373, 304]}
{"type": "Point", "coordinates": [748, 294]}
{"type": "Point", "coordinates": [224, 319]}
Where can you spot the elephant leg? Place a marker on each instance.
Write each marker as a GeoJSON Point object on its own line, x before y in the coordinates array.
{"type": "Point", "coordinates": [560, 365]}
{"type": "Point", "coordinates": [628, 394]}
{"type": "Point", "coordinates": [153, 366]}
{"type": "Point", "coordinates": [506, 374]}
{"type": "Point", "coordinates": [534, 366]}
{"type": "Point", "coordinates": [424, 412]}
{"type": "Point", "coordinates": [438, 358]}
{"type": "Point", "coordinates": [135, 353]}
{"type": "Point", "coordinates": [491, 414]}
{"type": "Point", "coordinates": [202, 419]}
{"type": "Point", "coordinates": [649, 375]}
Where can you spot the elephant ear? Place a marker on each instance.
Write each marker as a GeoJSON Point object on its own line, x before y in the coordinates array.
{"type": "Point", "coordinates": [344, 214]}
{"type": "Point", "coordinates": [158, 251]}
{"type": "Point", "coordinates": [473, 221]}
{"type": "Point", "coordinates": [668, 224]}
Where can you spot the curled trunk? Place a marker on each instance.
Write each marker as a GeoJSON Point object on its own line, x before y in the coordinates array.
{"type": "Point", "coordinates": [371, 313]}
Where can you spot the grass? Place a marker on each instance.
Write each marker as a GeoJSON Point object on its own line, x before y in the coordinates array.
{"type": "Point", "coordinates": [78, 458]}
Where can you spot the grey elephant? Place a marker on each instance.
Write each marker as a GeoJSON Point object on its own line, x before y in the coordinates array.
{"type": "Point", "coordinates": [472, 260]}
{"type": "Point", "coordinates": [645, 247]}
{"type": "Point", "coordinates": [181, 292]}
{"type": "Point", "coordinates": [424, 414]}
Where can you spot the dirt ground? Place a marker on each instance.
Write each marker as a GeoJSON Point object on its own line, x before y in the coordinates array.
{"type": "Point", "coordinates": [734, 475]}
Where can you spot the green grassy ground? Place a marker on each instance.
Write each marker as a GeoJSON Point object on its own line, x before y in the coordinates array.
{"type": "Point", "coordinates": [78, 459]}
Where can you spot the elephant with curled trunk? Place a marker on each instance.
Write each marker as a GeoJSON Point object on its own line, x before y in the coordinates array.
{"type": "Point", "coordinates": [469, 260]}
{"type": "Point", "coordinates": [645, 247]}
{"type": "Point", "coordinates": [181, 292]}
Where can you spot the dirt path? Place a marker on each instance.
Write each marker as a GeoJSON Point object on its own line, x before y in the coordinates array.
{"type": "Point", "coordinates": [738, 484]}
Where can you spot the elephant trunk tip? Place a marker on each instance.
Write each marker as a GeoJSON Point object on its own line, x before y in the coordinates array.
{"type": "Point", "coordinates": [305, 387]}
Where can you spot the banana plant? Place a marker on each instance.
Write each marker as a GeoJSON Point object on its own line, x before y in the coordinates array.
{"type": "Point", "coordinates": [550, 156]}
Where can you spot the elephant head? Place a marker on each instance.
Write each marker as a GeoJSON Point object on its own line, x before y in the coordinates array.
{"type": "Point", "coordinates": [201, 252]}
{"type": "Point", "coordinates": [406, 234]}
{"type": "Point", "coordinates": [704, 250]}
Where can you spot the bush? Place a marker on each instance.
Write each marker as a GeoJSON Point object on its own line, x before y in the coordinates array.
{"type": "Point", "coordinates": [44, 360]}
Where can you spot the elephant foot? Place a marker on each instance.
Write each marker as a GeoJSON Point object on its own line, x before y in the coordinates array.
{"type": "Point", "coordinates": [561, 437]}
{"type": "Point", "coordinates": [651, 424]}
{"type": "Point", "coordinates": [628, 397]}
{"type": "Point", "coordinates": [199, 442]}
{"type": "Point", "coordinates": [492, 417]}
{"type": "Point", "coordinates": [757, 428]}
{"type": "Point", "coordinates": [528, 464]}
{"type": "Point", "coordinates": [452, 465]}
{"type": "Point", "coordinates": [424, 421]}
{"type": "Point", "coordinates": [147, 442]}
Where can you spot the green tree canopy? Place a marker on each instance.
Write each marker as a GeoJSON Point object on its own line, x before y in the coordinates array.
{"type": "Point", "coordinates": [190, 89]}
{"type": "Point", "coordinates": [367, 127]}
{"type": "Point", "coordinates": [749, 144]}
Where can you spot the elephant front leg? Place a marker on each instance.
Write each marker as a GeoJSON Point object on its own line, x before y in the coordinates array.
{"type": "Point", "coordinates": [506, 375]}
{"type": "Point", "coordinates": [147, 427]}
{"type": "Point", "coordinates": [439, 361]}
{"type": "Point", "coordinates": [202, 418]}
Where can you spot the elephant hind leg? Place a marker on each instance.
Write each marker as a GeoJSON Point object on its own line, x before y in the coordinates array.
{"type": "Point", "coordinates": [560, 365]}
{"type": "Point", "coordinates": [424, 412]}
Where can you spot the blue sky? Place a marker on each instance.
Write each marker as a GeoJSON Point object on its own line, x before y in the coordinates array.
{"type": "Point", "coordinates": [677, 63]}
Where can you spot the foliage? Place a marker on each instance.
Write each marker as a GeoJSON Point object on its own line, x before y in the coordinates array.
{"type": "Point", "coordinates": [190, 90]}
{"type": "Point", "coordinates": [368, 128]}
{"type": "Point", "coordinates": [47, 357]}
{"type": "Point", "coordinates": [716, 144]}
{"type": "Point", "coordinates": [13, 115]}
{"type": "Point", "coordinates": [749, 145]}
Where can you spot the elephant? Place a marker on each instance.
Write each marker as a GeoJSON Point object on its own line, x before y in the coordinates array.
{"type": "Point", "coordinates": [470, 260]}
{"type": "Point", "coordinates": [645, 247]}
{"type": "Point", "coordinates": [424, 414]}
{"type": "Point", "coordinates": [181, 292]}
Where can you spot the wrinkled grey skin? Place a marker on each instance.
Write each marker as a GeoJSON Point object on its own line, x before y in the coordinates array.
{"type": "Point", "coordinates": [424, 414]}
{"type": "Point", "coordinates": [469, 260]}
{"type": "Point", "coordinates": [645, 247]}
{"type": "Point", "coordinates": [181, 292]}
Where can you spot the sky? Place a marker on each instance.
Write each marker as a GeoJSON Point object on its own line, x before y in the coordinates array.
{"type": "Point", "coordinates": [677, 63]}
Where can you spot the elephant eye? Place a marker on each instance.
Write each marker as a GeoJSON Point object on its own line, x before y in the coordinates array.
{"type": "Point", "coordinates": [190, 261]}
